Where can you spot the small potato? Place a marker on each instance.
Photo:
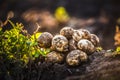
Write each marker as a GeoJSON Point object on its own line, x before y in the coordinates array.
{"type": "Point", "coordinates": [83, 56]}
{"type": "Point", "coordinates": [73, 58]}
{"type": "Point", "coordinates": [67, 32]}
{"type": "Point", "coordinates": [54, 57]}
{"type": "Point", "coordinates": [60, 43]}
{"type": "Point", "coordinates": [86, 46]}
{"type": "Point", "coordinates": [95, 40]}
{"type": "Point", "coordinates": [72, 44]}
{"type": "Point", "coordinates": [45, 39]}
{"type": "Point", "coordinates": [77, 35]}
{"type": "Point", "coordinates": [81, 34]}
{"type": "Point", "coordinates": [85, 33]}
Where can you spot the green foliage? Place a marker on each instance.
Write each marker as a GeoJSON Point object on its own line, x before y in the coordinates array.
{"type": "Point", "coordinates": [113, 53]}
{"type": "Point", "coordinates": [18, 50]}
{"type": "Point", "coordinates": [61, 14]}
{"type": "Point", "coordinates": [17, 45]}
{"type": "Point", "coordinates": [118, 49]}
{"type": "Point", "coordinates": [98, 49]}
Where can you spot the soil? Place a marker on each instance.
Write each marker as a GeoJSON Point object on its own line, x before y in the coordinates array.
{"type": "Point", "coordinates": [98, 67]}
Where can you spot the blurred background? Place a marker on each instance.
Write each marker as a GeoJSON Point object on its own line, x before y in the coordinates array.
{"type": "Point", "coordinates": [98, 16]}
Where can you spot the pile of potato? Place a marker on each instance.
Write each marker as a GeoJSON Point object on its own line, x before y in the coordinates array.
{"type": "Point", "coordinates": [72, 46]}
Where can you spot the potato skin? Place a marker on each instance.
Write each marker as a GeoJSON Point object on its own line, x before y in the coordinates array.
{"type": "Point", "coordinates": [86, 46]}
{"type": "Point", "coordinates": [77, 35]}
{"type": "Point", "coordinates": [73, 58]}
{"type": "Point", "coordinates": [83, 56]}
{"type": "Point", "coordinates": [60, 43]}
{"type": "Point", "coordinates": [81, 34]}
{"type": "Point", "coordinates": [95, 40]}
{"type": "Point", "coordinates": [85, 33]}
{"type": "Point", "coordinates": [54, 57]}
{"type": "Point", "coordinates": [72, 45]}
{"type": "Point", "coordinates": [45, 39]}
{"type": "Point", "coordinates": [67, 32]}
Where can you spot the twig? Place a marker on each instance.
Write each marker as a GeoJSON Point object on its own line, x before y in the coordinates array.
{"type": "Point", "coordinates": [38, 27]}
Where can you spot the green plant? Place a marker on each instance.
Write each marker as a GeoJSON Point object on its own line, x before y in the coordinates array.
{"type": "Point", "coordinates": [18, 49]}
{"type": "Point", "coordinates": [118, 49]}
{"type": "Point", "coordinates": [61, 14]}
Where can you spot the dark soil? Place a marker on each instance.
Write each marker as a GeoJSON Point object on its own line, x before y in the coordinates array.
{"type": "Point", "coordinates": [98, 67]}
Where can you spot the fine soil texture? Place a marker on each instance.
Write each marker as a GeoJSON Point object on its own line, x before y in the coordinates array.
{"type": "Point", "coordinates": [98, 67]}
